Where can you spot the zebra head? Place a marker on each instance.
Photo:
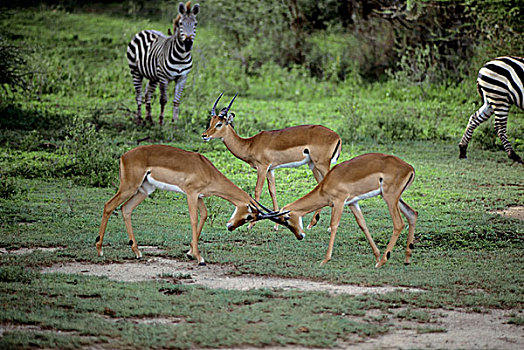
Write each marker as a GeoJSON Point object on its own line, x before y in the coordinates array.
{"type": "Point", "coordinates": [185, 24]}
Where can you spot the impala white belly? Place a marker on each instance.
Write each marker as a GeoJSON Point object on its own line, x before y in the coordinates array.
{"type": "Point", "coordinates": [150, 185]}
{"type": "Point", "coordinates": [370, 194]}
{"type": "Point", "coordinates": [296, 164]}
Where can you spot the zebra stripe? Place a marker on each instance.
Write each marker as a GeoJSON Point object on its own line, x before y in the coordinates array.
{"type": "Point", "coordinates": [500, 84]}
{"type": "Point", "coordinates": [160, 59]}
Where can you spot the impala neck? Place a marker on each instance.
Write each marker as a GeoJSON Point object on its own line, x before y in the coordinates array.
{"type": "Point", "coordinates": [312, 201]}
{"type": "Point", "coordinates": [224, 188]}
{"type": "Point", "coordinates": [237, 145]}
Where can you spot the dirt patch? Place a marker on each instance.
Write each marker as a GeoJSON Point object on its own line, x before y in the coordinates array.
{"type": "Point", "coordinates": [212, 276]}
{"type": "Point", "coordinates": [447, 329]}
{"type": "Point", "coordinates": [22, 251]}
{"type": "Point", "coordinates": [513, 212]}
{"type": "Point", "coordinates": [408, 329]}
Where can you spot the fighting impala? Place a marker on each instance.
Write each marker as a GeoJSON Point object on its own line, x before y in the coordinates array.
{"type": "Point", "coordinates": [146, 168]}
{"type": "Point", "coordinates": [314, 145]}
{"type": "Point", "coordinates": [362, 177]}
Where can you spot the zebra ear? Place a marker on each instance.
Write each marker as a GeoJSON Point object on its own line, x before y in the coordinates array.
{"type": "Point", "coordinates": [181, 8]}
{"type": "Point", "coordinates": [196, 9]}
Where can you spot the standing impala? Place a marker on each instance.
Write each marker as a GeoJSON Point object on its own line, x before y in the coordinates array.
{"type": "Point", "coordinates": [314, 145]}
{"type": "Point", "coordinates": [146, 168]}
{"type": "Point", "coordinates": [362, 177]}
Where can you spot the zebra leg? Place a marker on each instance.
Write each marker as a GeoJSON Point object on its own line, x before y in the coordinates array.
{"type": "Point", "coordinates": [163, 100]}
{"type": "Point", "coordinates": [137, 82]}
{"type": "Point", "coordinates": [475, 120]}
{"type": "Point", "coordinates": [501, 122]}
{"type": "Point", "coordinates": [151, 86]}
{"type": "Point", "coordinates": [179, 87]}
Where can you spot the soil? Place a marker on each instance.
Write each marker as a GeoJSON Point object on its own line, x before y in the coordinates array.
{"type": "Point", "coordinates": [450, 329]}
{"type": "Point", "coordinates": [513, 212]}
{"type": "Point", "coordinates": [212, 276]}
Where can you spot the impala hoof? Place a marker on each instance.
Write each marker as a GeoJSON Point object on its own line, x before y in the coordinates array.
{"type": "Point", "coordinates": [202, 264]}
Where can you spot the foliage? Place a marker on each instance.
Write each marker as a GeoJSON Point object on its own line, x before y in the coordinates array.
{"type": "Point", "coordinates": [15, 73]}
{"type": "Point", "coordinates": [59, 151]}
{"type": "Point", "coordinates": [90, 159]}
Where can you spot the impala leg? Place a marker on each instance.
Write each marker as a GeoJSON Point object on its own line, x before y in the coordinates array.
{"type": "Point", "coordinates": [109, 208]}
{"type": "Point", "coordinates": [318, 172]}
{"type": "Point", "coordinates": [398, 226]}
{"type": "Point", "coordinates": [411, 215]}
{"type": "Point", "coordinates": [261, 175]}
{"type": "Point", "coordinates": [203, 216]}
{"type": "Point", "coordinates": [336, 214]}
{"type": "Point", "coordinates": [127, 209]}
{"type": "Point", "coordinates": [151, 86]}
{"type": "Point", "coordinates": [355, 208]}
{"type": "Point", "coordinates": [192, 203]}
{"type": "Point", "coordinates": [272, 192]}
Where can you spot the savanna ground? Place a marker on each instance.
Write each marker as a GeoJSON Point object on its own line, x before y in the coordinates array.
{"type": "Point", "coordinates": [59, 152]}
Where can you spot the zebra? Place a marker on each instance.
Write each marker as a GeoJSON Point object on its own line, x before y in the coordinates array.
{"type": "Point", "coordinates": [500, 84]}
{"type": "Point", "coordinates": [160, 59]}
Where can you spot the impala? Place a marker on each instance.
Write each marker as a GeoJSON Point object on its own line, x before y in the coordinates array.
{"type": "Point", "coordinates": [146, 168]}
{"type": "Point", "coordinates": [362, 177]}
{"type": "Point", "coordinates": [314, 145]}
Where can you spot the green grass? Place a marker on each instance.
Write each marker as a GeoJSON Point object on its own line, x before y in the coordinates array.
{"type": "Point", "coordinates": [57, 170]}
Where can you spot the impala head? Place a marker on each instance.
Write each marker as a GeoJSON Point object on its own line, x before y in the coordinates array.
{"type": "Point", "coordinates": [247, 213]}
{"type": "Point", "coordinates": [243, 214]}
{"type": "Point", "coordinates": [283, 217]}
{"type": "Point", "coordinates": [218, 124]}
{"type": "Point", "coordinates": [186, 23]}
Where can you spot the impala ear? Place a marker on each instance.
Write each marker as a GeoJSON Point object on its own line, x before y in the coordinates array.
{"type": "Point", "coordinates": [230, 118]}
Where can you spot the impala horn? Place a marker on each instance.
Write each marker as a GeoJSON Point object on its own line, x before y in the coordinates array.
{"type": "Point", "coordinates": [213, 113]}
{"type": "Point", "coordinates": [268, 214]}
{"type": "Point", "coordinates": [230, 103]}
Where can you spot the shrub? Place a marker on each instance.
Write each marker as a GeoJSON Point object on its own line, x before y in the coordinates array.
{"type": "Point", "coordinates": [91, 159]}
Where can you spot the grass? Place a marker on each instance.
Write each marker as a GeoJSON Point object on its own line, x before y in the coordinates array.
{"type": "Point", "coordinates": [58, 165]}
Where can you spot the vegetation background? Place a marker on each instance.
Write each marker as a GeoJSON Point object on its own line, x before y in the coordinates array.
{"type": "Point", "coordinates": [389, 76]}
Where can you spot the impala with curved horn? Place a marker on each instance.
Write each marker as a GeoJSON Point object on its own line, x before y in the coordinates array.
{"type": "Point", "coordinates": [146, 168]}
{"type": "Point", "coordinates": [362, 177]}
{"type": "Point", "coordinates": [314, 145]}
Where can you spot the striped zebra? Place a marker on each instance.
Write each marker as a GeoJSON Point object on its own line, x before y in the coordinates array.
{"type": "Point", "coordinates": [500, 84]}
{"type": "Point", "coordinates": [161, 59]}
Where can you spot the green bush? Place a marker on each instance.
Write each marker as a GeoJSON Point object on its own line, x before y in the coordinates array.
{"type": "Point", "coordinates": [91, 159]}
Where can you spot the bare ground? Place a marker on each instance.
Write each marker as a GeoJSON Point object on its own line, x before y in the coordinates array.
{"type": "Point", "coordinates": [449, 329]}
{"type": "Point", "coordinates": [513, 212]}
{"type": "Point", "coordinates": [212, 276]}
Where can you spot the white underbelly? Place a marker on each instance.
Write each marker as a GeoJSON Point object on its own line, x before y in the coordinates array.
{"type": "Point", "coordinates": [150, 185]}
{"type": "Point", "coordinates": [296, 164]}
{"type": "Point", "coordinates": [370, 194]}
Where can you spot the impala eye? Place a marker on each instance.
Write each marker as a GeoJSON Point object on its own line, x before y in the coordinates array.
{"type": "Point", "coordinates": [249, 217]}
{"type": "Point", "coordinates": [219, 125]}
